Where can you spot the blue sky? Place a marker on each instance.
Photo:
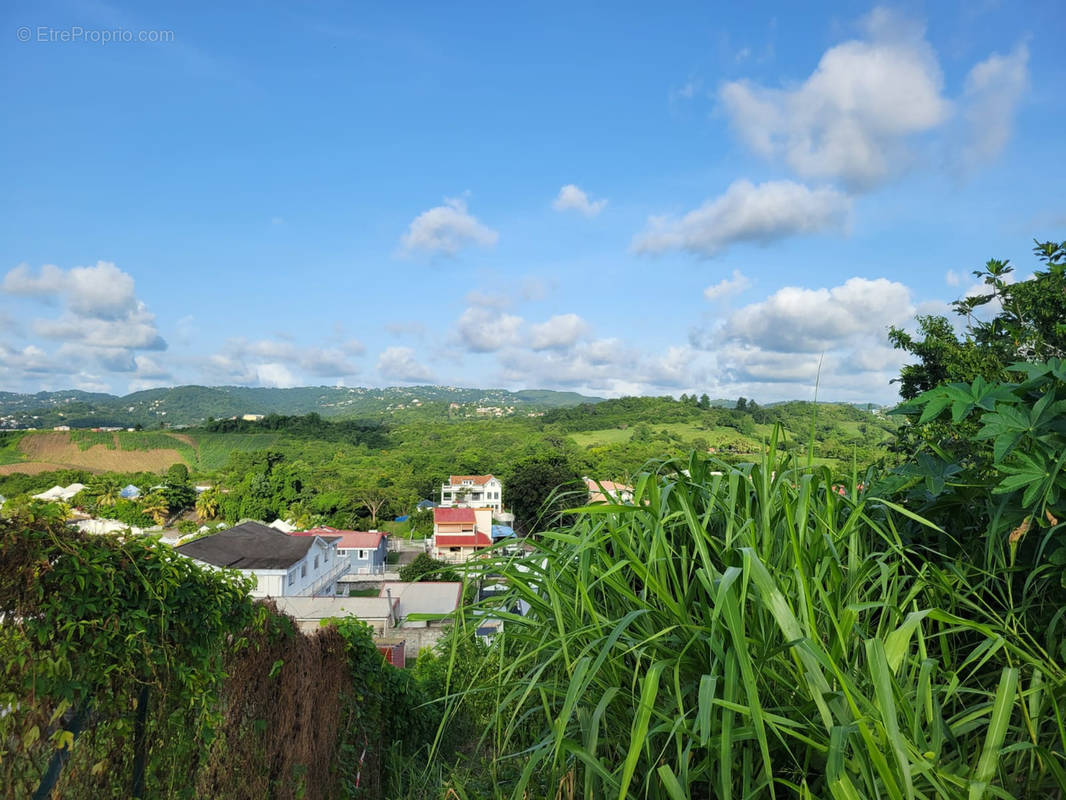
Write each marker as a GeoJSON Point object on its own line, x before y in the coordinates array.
{"type": "Point", "coordinates": [715, 199]}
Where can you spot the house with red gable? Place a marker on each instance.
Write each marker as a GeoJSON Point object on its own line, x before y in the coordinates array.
{"type": "Point", "coordinates": [457, 535]}
{"type": "Point", "coordinates": [366, 550]}
{"type": "Point", "coordinates": [472, 491]}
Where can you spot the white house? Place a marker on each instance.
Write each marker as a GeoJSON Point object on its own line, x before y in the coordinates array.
{"type": "Point", "coordinates": [283, 565]}
{"type": "Point", "coordinates": [472, 491]}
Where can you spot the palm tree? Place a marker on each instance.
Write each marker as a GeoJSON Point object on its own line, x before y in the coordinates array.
{"type": "Point", "coordinates": [155, 506]}
{"type": "Point", "coordinates": [207, 505]}
{"type": "Point", "coordinates": [106, 490]}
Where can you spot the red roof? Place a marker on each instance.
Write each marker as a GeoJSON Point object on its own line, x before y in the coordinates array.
{"type": "Point", "coordinates": [349, 540]}
{"type": "Point", "coordinates": [454, 515]}
{"type": "Point", "coordinates": [480, 480]}
{"type": "Point", "coordinates": [476, 539]}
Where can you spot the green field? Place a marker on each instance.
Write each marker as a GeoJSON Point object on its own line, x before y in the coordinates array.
{"type": "Point", "coordinates": [685, 432]}
{"type": "Point", "coordinates": [213, 449]}
{"type": "Point", "coordinates": [86, 439]}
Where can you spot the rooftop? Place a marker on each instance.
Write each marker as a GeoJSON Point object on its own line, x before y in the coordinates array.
{"type": "Point", "coordinates": [447, 515]}
{"type": "Point", "coordinates": [362, 540]}
{"type": "Point", "coordinates": [478, 480]}
{"type": "Point", "coordinates": [424, 597]}
{"type": "Point", "coordinates": [250, 545]}
{"type": "Point", "coordinates": [365, 608]}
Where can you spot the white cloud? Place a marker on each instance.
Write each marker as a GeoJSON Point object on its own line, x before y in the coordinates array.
{"type": "Point", "coordinates": [103, 291]}
{"type": "Point", "coordinates": [447, 229]}
{"type": "Point", "coordinates": [277, 376]}
{"type": "Point", "coordinates": [400, 364]}
{"type": "Point", "coordinates": [994, 89]}
{"type": "Point", "coordinates": [766, 346]}
{"type": "Point", "coordinates": [952, 278]}
{"type": "Point", "coordinates": [269, 362]}
{"type": "Point", "coordinates": [101, 324]}
{"type": "Point", "coordinates": [571, 197]}
{"type": "Point", "coordinates": [604, 366]}
{"type": "Point", "coordinates": [22, 281]}
{"type": "Point", "coordinates": [727, 286]}
{"type": "Point", "coordinates": [798, 320]}
{"type": "Point", "coordinates": [748, 213]}
{"type": "Point", "coordinates": [850, 120]}
{"type": "Point", "coordinates": [484, 330]}
{"type": "Point", "coordinates": [559, 332]}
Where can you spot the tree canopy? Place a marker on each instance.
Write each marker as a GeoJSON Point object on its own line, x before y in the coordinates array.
{"type": "Point", "coordinates": [1028, 325]}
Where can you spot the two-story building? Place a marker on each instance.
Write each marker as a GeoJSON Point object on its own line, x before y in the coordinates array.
{"type": "Point", "coordinates": [472, 491]}
{"type": "Point", "coordinates": [456, 534]}
{"type": "Point", "coordinates": [283, 565]}
{"type": "Point", "coordinates": [367, 551]}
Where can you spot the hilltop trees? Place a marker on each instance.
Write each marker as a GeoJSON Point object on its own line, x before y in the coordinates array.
{"type": "Point", "coordinates": [1028, 324]}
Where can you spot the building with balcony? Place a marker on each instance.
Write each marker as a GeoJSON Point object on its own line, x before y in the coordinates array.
{"type": "Point", "coordinates": [472, 491]}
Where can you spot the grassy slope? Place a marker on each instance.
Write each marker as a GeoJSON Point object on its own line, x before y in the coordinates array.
{"type": "Point", "coordinates": [9, 449]}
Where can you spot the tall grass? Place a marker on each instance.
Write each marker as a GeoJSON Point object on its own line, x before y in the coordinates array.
{"type": "Point", "coordinates": [744, 632]}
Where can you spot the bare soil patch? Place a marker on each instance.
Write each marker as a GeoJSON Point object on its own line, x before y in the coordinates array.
{"type": "Point", "coordinates": [30, 467]}
{"type": "Point", "coordinates": [55, 448]}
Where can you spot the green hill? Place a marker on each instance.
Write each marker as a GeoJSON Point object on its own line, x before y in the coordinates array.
{"type": "Point", "coordinates": [191, 405]}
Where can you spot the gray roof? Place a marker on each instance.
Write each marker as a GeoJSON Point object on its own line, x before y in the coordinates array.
{"type": "Point", "coordinates": [250, 545]}
{"type": "Point", "coordinates": [307, 608]}
{"type": "Point", "coordinates": [424, 597]}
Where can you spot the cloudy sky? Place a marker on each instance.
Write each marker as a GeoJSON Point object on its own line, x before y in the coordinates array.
{"type": "Point", "coordinates": [718, 199]}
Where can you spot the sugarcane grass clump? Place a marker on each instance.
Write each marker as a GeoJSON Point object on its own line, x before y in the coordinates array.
{"type": "Point", "coordinates": [749, 631]}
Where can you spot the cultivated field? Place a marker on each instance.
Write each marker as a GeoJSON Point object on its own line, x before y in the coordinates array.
{"type": "Point", "coordinates": [125, 451]}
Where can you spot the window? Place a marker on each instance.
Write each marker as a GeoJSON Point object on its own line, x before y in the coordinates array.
{"type": "Point", "coordinates": [325, 556]}
{"type": "Point", "coordinates": [447, 495]}
{"type": "Point", "coordinates": [303, 570]}
{"type": "Point", "coordinates": [362, 555]}
{"type": "Point", "coordinates": [316, 562]}
{"type": "Point", "coordinates": [292, 578]}
{"type": "Point", "coordinates": [454, 549]}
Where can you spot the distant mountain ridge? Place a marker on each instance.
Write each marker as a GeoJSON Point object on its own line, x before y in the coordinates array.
{"type": "Point", "coordinates": [189, 405]}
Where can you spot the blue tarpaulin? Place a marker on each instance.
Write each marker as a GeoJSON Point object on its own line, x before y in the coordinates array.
{"type": "Point", "coordinates": [502, 532]}
{"type": "Point", "coordinates": [404, 518]}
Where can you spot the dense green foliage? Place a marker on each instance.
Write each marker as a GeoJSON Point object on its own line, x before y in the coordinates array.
{"type": "Point", "coordinates": [539, 488]}
{"type": "Point", "coordinates": [755, 631]}
{"type": "Point", "coordinates": [1029, 324]}
{"type": "Point", "coordinates": [87, 622]}
{"type": "Point", "coordinates": [426, 568]}
{"type": "Point", "coordinates": [158, 662]}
